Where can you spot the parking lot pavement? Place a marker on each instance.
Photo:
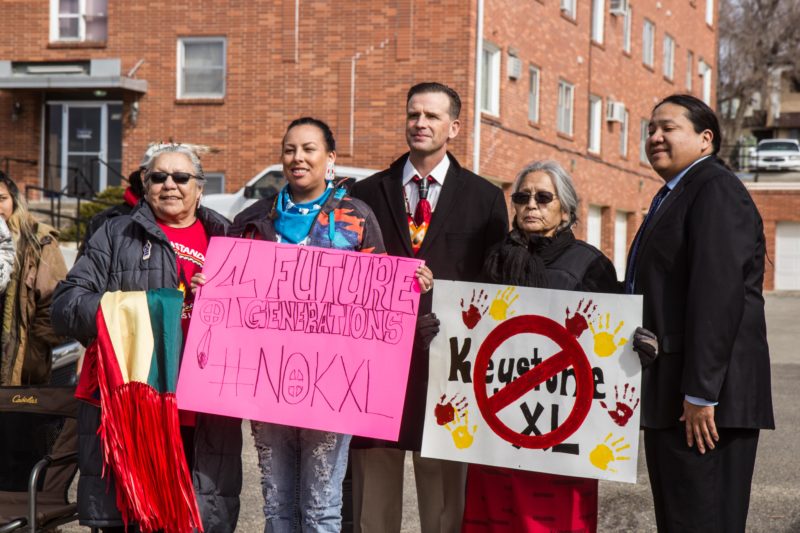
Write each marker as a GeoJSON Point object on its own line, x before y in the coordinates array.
{"type": "Point", "coordinates": [775, 500]}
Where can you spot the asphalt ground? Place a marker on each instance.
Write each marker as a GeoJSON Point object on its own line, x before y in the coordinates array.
{"type": "Point", "coordinates": [775, 500]}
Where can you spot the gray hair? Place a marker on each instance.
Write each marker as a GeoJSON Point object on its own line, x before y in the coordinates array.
{"type": "Point", "coordinates": [158, 149]}
{"type": "Point", "coordinates": [562, 182]}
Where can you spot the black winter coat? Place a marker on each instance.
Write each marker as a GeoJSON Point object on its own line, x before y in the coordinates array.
{"type": "Point", "coordinates": [700, 267]}
{"type": "Point", "coordinates": [131, 253]}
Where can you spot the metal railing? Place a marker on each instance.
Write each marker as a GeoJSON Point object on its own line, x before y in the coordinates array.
{"type": "Point", "coordinates": [56, 211]}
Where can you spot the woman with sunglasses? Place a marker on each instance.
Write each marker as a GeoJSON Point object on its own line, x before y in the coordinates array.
{"type": "Point", "coordinates": [540, 251]}
{"type": "Point", "coordinates": [161, 244]}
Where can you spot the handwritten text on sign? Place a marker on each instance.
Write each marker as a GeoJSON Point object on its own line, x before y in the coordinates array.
{"type": "Point", "coordinates": [302, 336]}
{"type": "Point", "coordinates": [534, 379]}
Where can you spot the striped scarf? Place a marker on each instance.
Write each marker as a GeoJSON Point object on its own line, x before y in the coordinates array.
{"type": "Point", "coordinates": [137, 354]}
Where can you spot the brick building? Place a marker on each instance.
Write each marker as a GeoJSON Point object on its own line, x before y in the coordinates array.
{"type": "Point", "coordinates": [571, 80]}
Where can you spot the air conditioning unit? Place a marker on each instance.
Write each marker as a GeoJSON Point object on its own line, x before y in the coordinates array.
{"type": "Point", "coordinates": [618, 7]}
{"type": "Point", "coordinates": [514, 67]}
{"type": "Point", "coordinates": [615, 111]}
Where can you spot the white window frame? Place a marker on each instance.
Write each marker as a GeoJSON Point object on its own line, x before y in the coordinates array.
{"type": "Point", "coordinates": [81, 16]}
{"type": "Point", "coordinates": [668, 68]}
{"type": "Point", "coordinates": [623, 135]}
{"type": "Point", "coordinates": [565, 109]}
{"type": "Point", "coordinates": [710, 12]}
{"type": "Point", "coordinates": [180, 90]}
{"type": "Point", "coordinates": [689, 70]}
{"type": "Point", "coordinates": [220, 175]}
{"type": "Point", "coordinates": [534, 78]}
{"type": "Point", "coordinates": [490, 95]}
{"type": "Point", "coordinates": [569, 8]}
{"type": "Point", "coordinates": [644, 124]}
{"type": "Point", "coordinates": [620, 244]}
{"type": "Point", "coordinates": [626, 30]}
{"type": "Point", "coordinates": [598, 20]}
{"type": "Point", "coordinates": [705, 77]}
{"type": "Point", "coordinates": [595, 123]}
{"type": "Point", "coordinates": [648, 42]}
{"type": "Point", "coordinates": [594, 226]}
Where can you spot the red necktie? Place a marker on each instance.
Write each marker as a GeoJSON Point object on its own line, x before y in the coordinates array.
{"type": "Point", "coordinates": [422, 214]}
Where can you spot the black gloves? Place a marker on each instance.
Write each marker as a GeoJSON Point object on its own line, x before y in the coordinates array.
{"type": "Point", "coordinates": [645, 344]}
{"type": "Point", "coordinates": [427, 328]}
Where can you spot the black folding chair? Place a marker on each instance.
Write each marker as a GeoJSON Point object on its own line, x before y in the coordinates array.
{"type": "Point", "coordinates": [38, 457]}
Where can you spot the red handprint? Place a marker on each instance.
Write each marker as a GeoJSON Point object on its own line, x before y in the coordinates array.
{"type": "Point", "coordinates": [623, 411]}
{"type": "Point", "coordinates": [445, 412]}
{"type": "Point", "coordinates": [478, 306]}
{"type": "Point", "coordinates": [578, 323]}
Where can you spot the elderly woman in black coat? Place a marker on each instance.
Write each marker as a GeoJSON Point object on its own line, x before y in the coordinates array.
{"type": "Point", "coordinates": [541, 251]}
{"type": "Point", "coordinates": [160, 244]}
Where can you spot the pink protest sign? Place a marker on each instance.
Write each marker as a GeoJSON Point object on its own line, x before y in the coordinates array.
{"type": "Point", "coordinates": [302, 336]}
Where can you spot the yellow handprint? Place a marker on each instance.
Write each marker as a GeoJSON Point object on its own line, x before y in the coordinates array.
{"type": "Point", "coordinates": [504, 299]}
{"type": "Point", "coordinates": [459, 430]}
{"type": "Point", "coordinates": [603, 454]}
{"type": "Point", "coordinates": [604, 344]}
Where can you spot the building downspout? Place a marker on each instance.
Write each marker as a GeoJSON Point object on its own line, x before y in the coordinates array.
{"type": "Point", "coordinates": [476, 127]}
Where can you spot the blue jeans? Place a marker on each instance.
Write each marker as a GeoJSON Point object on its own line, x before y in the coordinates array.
{"type": "Point", "coordinates": [301, 477]}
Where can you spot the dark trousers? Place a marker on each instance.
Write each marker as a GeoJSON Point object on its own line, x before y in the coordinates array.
{"type": "Point", "coordinates": [696, 492]}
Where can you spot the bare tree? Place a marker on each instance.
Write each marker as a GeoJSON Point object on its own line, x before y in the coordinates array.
{"type": "Point", "coordinates": [759, 40]}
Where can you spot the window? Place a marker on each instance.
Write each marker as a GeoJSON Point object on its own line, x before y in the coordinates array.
{"type": "Point", "coordinates": [710, 12]}
{"type": "Point", "coordinates": [568, 8]}
{"type": "Point", "coordinates": [566, 92]}
{"type": "Point", "coordinates": [598, 20]}
{"type": "Point", "coordinates": [623, 135]}
{"type": "Point", "coordinates": [648, 42]}
{"type": "Point", "coordinates": [668, 67]}
{"type": "Point", "coordinates": [594, 226]}
{"type": "Point", "coordinates": [201, 67]}
{"type": "Point", "coordinates": [215, 183]}
{"type": "Point", "coordinates": [643, 134]}
{"type": "Point", "coordinates": [689, 65]}
{"type": "Point", "coordinates": [79, 20]}
{"type": "Point", "coordinates": [533, 94]}
{"type": "Point", "coordinates": [705, 78]}
{"type": "Point", "coordinates": [620, 244]}
{"type": "Point", "coordinates": [595, 123]}
{"type": "Point", "coordinates": [490, 78]}
{"type": "Point", "coordinates": [626, 30]}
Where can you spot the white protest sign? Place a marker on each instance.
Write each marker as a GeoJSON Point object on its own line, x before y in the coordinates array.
{"type": "Point", "coordinates": [534, 379]}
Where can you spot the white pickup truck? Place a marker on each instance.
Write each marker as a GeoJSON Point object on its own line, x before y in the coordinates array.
{"type": "Point", "coordinates": [266, 183]}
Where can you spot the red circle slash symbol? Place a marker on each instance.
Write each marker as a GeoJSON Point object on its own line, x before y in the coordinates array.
{"type": "Point", "coordinates": [570, 355]}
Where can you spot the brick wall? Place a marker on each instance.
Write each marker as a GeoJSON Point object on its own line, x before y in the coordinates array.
{"type": "Point", "coordinates": [350, 63]}
{"type": "Point", "coordinates": [776, 203]}
{"type": "Point", "coordinates": [278, 69]}
{"type": "Point", "coordinates": [562, 49]}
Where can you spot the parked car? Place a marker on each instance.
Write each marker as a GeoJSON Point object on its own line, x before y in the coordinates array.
{"type": "Point", "coordinates": [266, 183]}
{"type": "Point", "coordinates": [778, 154]}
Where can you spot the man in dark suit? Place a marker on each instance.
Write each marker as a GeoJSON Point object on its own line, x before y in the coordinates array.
{"type": "Point", "coordinates": [431, 208]}
{"type": "Point", "coordinates": [698, 259]}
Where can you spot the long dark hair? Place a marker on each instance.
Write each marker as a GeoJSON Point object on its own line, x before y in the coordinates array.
{"type": "Point", "coordinates": [699, 114]}
{"type": "Point", "coordinates": [21, 223]}
{"type": "Point", "coordinates": [330, 142]}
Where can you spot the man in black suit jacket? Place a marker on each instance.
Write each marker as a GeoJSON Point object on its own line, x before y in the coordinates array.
{"type": "Point", "coordinates": [698, 259]}
{"type": "Point", "coordinates": [469, 215]}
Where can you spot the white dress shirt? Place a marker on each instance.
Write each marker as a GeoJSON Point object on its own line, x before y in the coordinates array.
{"type": "Point", "coordinates": [412, 189]}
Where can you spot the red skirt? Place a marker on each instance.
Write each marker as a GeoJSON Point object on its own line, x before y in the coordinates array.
{"type": "Point", "coordinates": [501, 500]}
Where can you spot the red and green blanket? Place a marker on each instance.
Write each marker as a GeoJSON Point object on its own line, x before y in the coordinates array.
{"type": "Point", "coordinates": [134, 364]}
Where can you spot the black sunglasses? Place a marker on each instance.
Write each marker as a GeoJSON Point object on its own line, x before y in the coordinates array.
{"type": "Point", "coordinates": [180, 178]}
{"type": "Point", "coordinates": [540, 197]}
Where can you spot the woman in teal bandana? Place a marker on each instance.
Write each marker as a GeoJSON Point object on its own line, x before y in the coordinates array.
{"type": "Point", "coordinates": [302, 469]}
